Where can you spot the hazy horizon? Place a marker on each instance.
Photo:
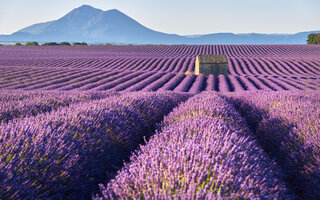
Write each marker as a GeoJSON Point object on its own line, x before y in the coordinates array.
{"type": "Point", "coordinates": [180, 17]}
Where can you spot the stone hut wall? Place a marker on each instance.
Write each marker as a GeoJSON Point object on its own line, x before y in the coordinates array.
{"type": "Point", "coordinates": [211, 64]}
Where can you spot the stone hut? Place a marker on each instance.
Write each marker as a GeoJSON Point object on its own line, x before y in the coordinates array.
{"type": "Point", "coordinates": [211, 64]}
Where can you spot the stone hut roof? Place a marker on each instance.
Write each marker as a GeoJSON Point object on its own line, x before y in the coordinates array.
{"type": "Point", "coordinates": [210, 59]}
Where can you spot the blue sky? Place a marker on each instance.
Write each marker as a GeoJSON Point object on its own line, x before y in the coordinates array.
{"type": "Point", "coordinates": [184, 17]}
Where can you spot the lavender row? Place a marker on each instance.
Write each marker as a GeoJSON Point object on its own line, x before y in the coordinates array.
{"type": "Point", "coordinates": [241, 63]}
{"type": "Point", "coordinates": [122, 80]}
{"type": "Point", "coordinates": [144, 83]}
{"type": "Point", "coordinates": [128, 83]}
{"type": "Point", "coordinates": [8, 54]}
{"type": "Point", "coordinates": [159, 83]}
{"type": "Point", "coordinates": [66, 153]}
{"type": "Point", "coordinates": [237, 66]}
{"type": "Point", "coordinates": [27, 78]}
{"type": "Point", "coordinates": [203, 151]}
{"type": "Point", "coordinates": [271, 66]}
{"type": "Point", "coordinates": [19, 104]}
{"type": "Point", "coordinates": [287, 126]}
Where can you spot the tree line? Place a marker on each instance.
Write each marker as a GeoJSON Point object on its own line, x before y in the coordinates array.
{"type": "Point", "coordinates": [313, 38]}
{"type": "Point", "coordinates": [51, 44]}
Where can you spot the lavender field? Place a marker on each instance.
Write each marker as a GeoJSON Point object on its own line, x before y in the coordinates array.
{"type": "Point", "coordinates": [135, 122]}
{"type": "Point", "coordinates": [158, 68]}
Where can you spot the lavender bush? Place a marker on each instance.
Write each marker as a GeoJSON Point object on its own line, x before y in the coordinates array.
{"type": "Point", "coordinates": [19, 104]}
{"type": "Point", "coordinates": [66, 153]}
{"type": "Point", "coordinates": [287, 126]}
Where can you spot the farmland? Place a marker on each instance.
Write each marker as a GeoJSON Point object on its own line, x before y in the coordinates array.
{"type": "Point", "coordinates": [157, 68]}
{"type": "Point", "coordinates": [135, 122]}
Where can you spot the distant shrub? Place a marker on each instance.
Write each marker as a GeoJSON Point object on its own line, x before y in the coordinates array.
{"type": "Point", "coordinates": [50, 44]}
{"type": "Point", "coordinates": [32, 44]}
{"type": "Point", "coordinates": [313, 38]}
{"type": "Point", "coordinates": [18, 44]}
{"type": "Point", "coordinates": [65, 43]}
{"type": "Point", "coordinates": [79, 43]}
{"type": "Point", "coordinates": [102, 44]}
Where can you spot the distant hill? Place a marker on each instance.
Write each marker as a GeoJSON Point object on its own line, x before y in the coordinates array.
{"type": "Point", "coordinates": [92, 25]}
{"type": "Point", "coordinates": [252, 38]}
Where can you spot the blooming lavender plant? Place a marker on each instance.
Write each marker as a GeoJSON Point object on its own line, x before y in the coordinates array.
{"type": "Point", "coordinates": [19, 104]}
{"type": "Point", "coordinates": [203, 151]}
{"type": "Point", "coordinates": [287, 126]}
{"type": "Point", "coordinates": [64, 154]}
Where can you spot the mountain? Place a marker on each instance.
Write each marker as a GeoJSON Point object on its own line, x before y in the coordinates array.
{"type": "Point", "coordinates": [94, 25]}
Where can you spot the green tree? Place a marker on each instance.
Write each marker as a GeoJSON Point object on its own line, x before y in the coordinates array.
{"type": "Point", "coordinates": [32, 44]}
{"type": "Point", "coordinates": [65, 43]}
{"type": "Point", "coordinates": [313, 38]}
{"type": "Point", "coordinates": [50, 44]}
{"type": "Point", "coordinates": [18, 44]}
{"type": "Point", "coordinates": [79, 43]}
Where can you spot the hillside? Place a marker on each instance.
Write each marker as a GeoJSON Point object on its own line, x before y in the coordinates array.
{"type": "Point", "coordinates": [96, 26]}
